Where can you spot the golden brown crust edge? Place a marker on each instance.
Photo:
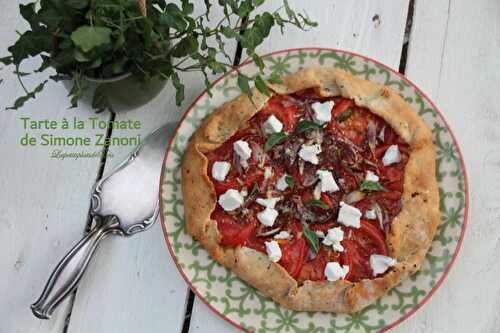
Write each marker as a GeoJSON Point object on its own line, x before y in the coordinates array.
{"type": "Point", "coordinates": [411, 231]}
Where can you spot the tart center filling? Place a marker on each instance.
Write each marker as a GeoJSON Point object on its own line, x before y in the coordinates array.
{"type": "Point", "coordinates": [314, 183]}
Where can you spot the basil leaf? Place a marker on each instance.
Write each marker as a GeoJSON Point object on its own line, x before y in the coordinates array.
{"type": "Point", "coordinates": [306, 125]}
{"type": "Point", "coordinates": [344, 115]}
{"type": "Point", "coordinates": [318, 203]}
{"type": "Point", "coordinates": [275, 139]}
{"type": "Point", "coordinates": [290, 182]}
{"type": "Point", "coordinates": [311, 237]}
{"type": "Point", "coordinates": [369, 186]}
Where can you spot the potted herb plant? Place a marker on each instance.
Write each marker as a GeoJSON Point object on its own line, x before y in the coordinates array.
{"type": "Point", "coordinates": [139, 44]}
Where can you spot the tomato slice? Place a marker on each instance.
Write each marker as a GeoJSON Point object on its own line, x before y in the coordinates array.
{"type": "Point", "coordinates": [377, 244]}
{"type": "Point", "coordinates": [288, 115]}
{"type": "Point", "coordinates": [314, 270]}
{"type": "Point", "coordinates": [293, 256]}
{"type": "Point", "coordinates": [326, 199]}
{"type": "Point", "coordinates": [232, 233]}
{"type": "Point", "coordinates": [222, 187]}
{"type": "Point", "coordinates": [365, 241]}
{"type": "Point", "coordinates": [342, 106]}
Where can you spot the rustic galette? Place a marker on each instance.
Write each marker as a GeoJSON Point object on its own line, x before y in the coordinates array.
{"type": "Point", "coordinates": [322, 196]}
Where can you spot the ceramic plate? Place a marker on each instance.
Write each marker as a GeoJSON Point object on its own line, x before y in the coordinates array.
{"type": "Point", "coordinates": [241, 304]}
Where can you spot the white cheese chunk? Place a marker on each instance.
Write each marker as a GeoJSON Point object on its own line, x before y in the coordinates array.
{"type": "Point", "coordinates": [371, 176]}
{"type": "Point", "coordinates": [327, 181]}
{"type": "Point", "coordinates": [273, 251]}
{"type": "Point", "coordinates": [268, 172]}
{"type": "Point", "coordinates": [281, 184]}
{"type": "Point", "coordinates": [322, 112]}
{"type": "Point", "coordinates": [380, 263]}
{"type": "Point", "coordinates": [370, 214]}
{"type": "Point", "coordinates": [392, 155]}
{"type": "Point", "coordinates": [272, 125]}
{"type": "Point", "coordinates": [242, 149]}
{"type": "Point", "coordinates": [283, 235]}
{"type": "Point", "coordinates": [231, 200]}
{"type": "Point", "coordinates": [267, 216]}
{"type": "Point", "coordinates": [334, 272]}
{"type": "Point", "coordinates": [333, 239]}
{"type": "Point", "coordinates": [310, 153]}
{"type": "Point", "coordinates": [220, 170]}
{"type": "Point", "coordinates": [269, 202]}
{"type": "Point", "coordinates": [349, 215]}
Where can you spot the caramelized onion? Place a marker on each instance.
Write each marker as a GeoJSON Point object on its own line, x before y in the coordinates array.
{"type": "Point", "coordinates": [269, 232]}
{"type": "Point", "coordinates": [354, 197]}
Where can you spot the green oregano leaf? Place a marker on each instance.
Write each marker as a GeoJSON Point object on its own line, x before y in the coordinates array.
{"type": "Point", "coordinates": [261, 86]}
{"type": "Point", "coordinates": [290, 181]}
{"type": "Point", "coordinates": [344, 115]}
{"type": "Point", "coordinates": [275, 139]}
{"type": "Point", "coordinates": [311, 237]}
{"type": "Point", "coordinates": [243, 84]}
{"type": "Point", "coordinates": [370, 186]}
{"type": "Point", "coordinates": [306, 125]}
{"type": "Point", "coordinates": [317, 203]}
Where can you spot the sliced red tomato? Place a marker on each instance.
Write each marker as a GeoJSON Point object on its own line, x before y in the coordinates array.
{"type": "Point", "coordinates": [356, 263]}
{"type": "Point", "coordinates": [342, 106]}
{"type": "Point", "coordinates": [376, 243]}
{"type": "Point", "coordinates": [326, 199]}
{"type": "Point", "coordinates": [322, 226]}
{"type": "Point", "coordinates": [222, 187]}
{"type": "Point", "coordinates": [314, 270]}
{"type": "Point", "coordinates": [232, 233]}
{"type": "Point", "coordinates": [293, 255]}
{"type": "Point", "coordinates": [365, 241]}
{"type": "Point", "coordinates": [288, 115]}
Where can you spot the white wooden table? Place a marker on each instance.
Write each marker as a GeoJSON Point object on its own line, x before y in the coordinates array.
{"type": "Point", "coordinates": [451, 50]}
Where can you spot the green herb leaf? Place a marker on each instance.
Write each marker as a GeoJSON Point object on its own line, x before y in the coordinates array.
{"type": "Point", "coordinates": [306, 125]}
{"type": "Point", "coordinates": [261, 86]}
{"type": "Point", "coordinates": [23, 99]}
{"type": "Point", "coordinates": [179, 88]}
{"type": "Point", "coordinates": [28, 13]}
{"type": "Point", "coordinates": [312, 238]}
{"type": "Point", "coordinates": [369, 186]}
{"type": "Point", "coordinates": [87, 37]}
{"type": "Point", "coordinates": [101, 102]}
{"type": "Point", "coordinates": [50, 17]}
{"type": "Point", "coordinates": [344, 115]}
{"type": "Point", "coordinates": [76, 4]}
{"type": "Point", "coordinates": [290, 181]}
{"type": "Point", "coordinates": [186, 46]}
{"type": "Point", "coordinates": [275, 139]}
{"type": "Point", "coordinates": [317, 203]}
{"type": "Point", "coordinates": [243, 84]}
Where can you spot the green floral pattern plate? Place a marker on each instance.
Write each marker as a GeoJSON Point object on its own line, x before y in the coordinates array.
{"type": "Point", "coordinates": [241, 304]}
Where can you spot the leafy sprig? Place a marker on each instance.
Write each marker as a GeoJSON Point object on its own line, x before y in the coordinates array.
{"type": "Point", "coordinates": [105, 38]}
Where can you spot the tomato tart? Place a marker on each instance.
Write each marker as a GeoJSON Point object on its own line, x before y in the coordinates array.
{"type": "Point", "coordinates": [322, 195]}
